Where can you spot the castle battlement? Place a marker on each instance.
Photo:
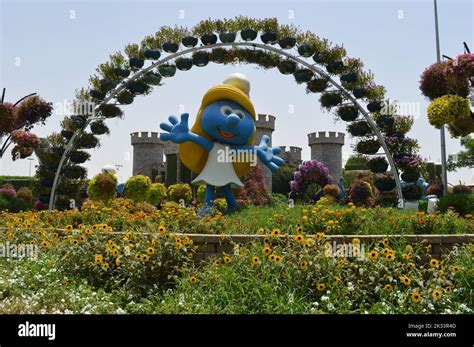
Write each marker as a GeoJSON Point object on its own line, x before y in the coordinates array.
{"type": "Point", "coordinates": [330, 137]}
{"type": "Point", "coordinates": [146, 137]}
{"type": "Point", "coordinates": [294, 149]}
{"type": "Point", "coordinates": [266, 121]}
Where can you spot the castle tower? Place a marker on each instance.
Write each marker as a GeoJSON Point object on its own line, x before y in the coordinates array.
{"type": "Point", "coordinates": [292, 157]}
{"type": "Point", "coordinates": [328, 150]}
{"type": "Point", "coordinates": [265, 125]}
{"type": "Point", "coordinates": [148, 152]}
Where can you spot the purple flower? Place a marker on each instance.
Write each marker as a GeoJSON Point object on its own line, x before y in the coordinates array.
{"type": "Point", "coordinates": [8, 192]}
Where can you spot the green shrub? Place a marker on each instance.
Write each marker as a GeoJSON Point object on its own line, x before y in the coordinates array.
{"type": "Point", "coordinates": [137, 187]}
{"type": "Point", "coordinates": [462, 203]}
{"type": "Point", "coordinates": [281, 180]}
{"type": "Point", "coordinates": [356, 162]}
{"type": "Point", "coordinates": [446, 109]}
{"type": "Point", "coordinates": [14, 204]}
{"type": "Point", "coordinates": [25, 194]}
{"type": "Point", "coordinates": [201, 193]}
{"type": "Point", "coordinates": [102, 187]}
{"type": "Point", "coordinates": [156, 193]}
{"type": "Point", "coordinates": [179, 191]}
{"type": "Point", "coordinates": [220, 204]}
{"type": "Point", "coordinates": [458, 189]}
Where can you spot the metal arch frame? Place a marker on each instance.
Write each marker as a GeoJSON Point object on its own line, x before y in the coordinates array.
{"type": "Point", "coordinates": [312, 67]}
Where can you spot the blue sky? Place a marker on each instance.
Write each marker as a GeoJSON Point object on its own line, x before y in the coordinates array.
{"type": "Point", "coordinates": [52, 47]}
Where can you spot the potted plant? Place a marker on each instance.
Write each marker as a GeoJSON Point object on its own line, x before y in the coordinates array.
{"type": "Point", "coordinates": [151, 78]}
{"type": "Point", "coordinates": [67, 134]}
{"type": "Point", "coordinates": [348, 113]}
{"type": "Point", "coordinates": [349, 77]}
{"type": "Point", "coordinates": [385, 122]}
{"type": "Point", "coordinates": [152, 53]}
{"type": "Point", "coordinates": [303, 75]}
{"type": "Point", "coordinates": [384, 183]}
{"type": "Point", "coordinates": [189, 41]}
{"type": "Point", "coordinates": [205, 29]}
{"type": "Point", "coordinates": [370, 146]}
{"type": "Point", "coordinates": [359, 92]}
{"type": "Point", "coordinates": [248, 28]}
{"type": "Point", "coordinates": [227, 29]}
{"type": "Point", "coordinates": [136, 56]}
{"type": "Point", "coordinates": [170, 38]}
{"type": "Point", "coordinates": [99, 128]}
{"type": "Point", "coordinates": [125, 97]}
{"type": "Point", "coordinates": [123, 73]}
{"type": "Point", "coordinates": [330, 99]}
{"type": "Point", "coordinates": [287, 36]}
{"type": "Point", "coordinates": [218, 55]}
{"type": "Point", "coordinates": [305, 50]}
{"type": "Point", "coordinates": [75, 172]}
{"type": "Point", "coordinates": [412, 192]}
{"type": "Point", "coordinates": [96, 94]}
{"type": "Point", "coordinates": [138, 87]}
{"type": "Point", "coordinates": [377, 165]}
{"type": "Point", "coordinates": [375, 106]}
{"type": "Point", "coordinates": [79, 157]}
{"type": "Point", "coordinates": [411, 166]}
{"type": "Point", "coordinates": [317, 85]}
{"type": "Point", "coordinates": [287, 67]}
{"type": "Point", "coordinates": [200, 58]}
{"type": "Point", "coordinates": [462, 126]}
{"type": "Point", "coordinates": [335, 67]}
{"type": "Point", "coordinates": [446, 109]}
{"type": "Point", "coordinates": [87, 140]}
{"type": "Point", "coordinates": [269, 27]}
{"type": "Point", "coordinates": [184, 64]}
{"type": "Point", "coordinates": [110, 111]}
{"type": "Point", "coordinates": [359, 128]}
{"type": "Point", "coordinates": [167, 70]}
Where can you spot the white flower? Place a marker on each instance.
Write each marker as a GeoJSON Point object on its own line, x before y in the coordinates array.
{"type": "Point", "coordinates": [324, 298]}
{"type": "Point", "coordinates": [120, 311]}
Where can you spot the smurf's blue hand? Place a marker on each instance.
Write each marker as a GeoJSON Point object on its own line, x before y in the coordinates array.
{"type": "Point", "coordinates": [178, 132]}
{"type": "Point", "coordinates": [268, 154]}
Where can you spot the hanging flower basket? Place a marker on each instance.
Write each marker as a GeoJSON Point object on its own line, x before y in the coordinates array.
{"type": "Point", "coordinates": [305, 50]}
{"type": "Point", "coordinates": [87, 141]}
{"type": "Point", "coordinates": [412, 193]}
{"type": "Point", "coordinates": [377, 165]}
{"type": "Point", "coordinates": [184, 64]}
{"type": "Point", "coordinates": [360, 128]}
{"type": "Point", "coordinates": [136, 63]}
{"type": "Point", "coordinates": [317, 85]}
{"type": "Point", "coordinates": [96, 94]}
{"type": "Point", "coordinates": [152, 54]}
{"type": "Point", "coordinates": [319, 57]}
{"type": "Point", "coordinates": [208, 39]}
{"type": "Point", "coordinates": [44, 198]}
{"type": "Point", "coordinates": [122, 72]}
{"type": "Point", "coordinates": [67, 134]}
{"type": "Point", "coordinates": [125, 97]}
{"type": "Point", "coordinates": [151, 78]}
{"type": "Point", "coordinates": [137, 87]}
{"type": "Point", "coordinates": [375, 106]}
{"type": "Point", "coordinates": [107, 85]}
{"type": "Point", "coordinates": [385, 122]}
{"type": "Point", "coordinates": [189, 41]}
{"type": "Point", "coordinates": [110, 111]}
{"type": "Point", "coordinates": [349, 77]}
{"type": "Point", "coordinates": [287, 42]}
{"type": "Point", "coordinates": [99, 128]}
{"type": "Point", "coordinates": [269, 38]}
{"type": "Point", "coordinates": [248, 34]}
{"type": "Point", "coordinates": [462, 126]}
{"type": "Point", "coordinates": [201, 59]}
{"type": "Point", "coordinates": [167, 70]}
{"type": "Point", "coordinates": [303, 75]}
{"type": "Point", "coordinates": [46, 183]}
{"type": "Point", "coordinates": [368, 146]}
{"type": "Point", "coordinates": [287, 67]}
{"type": "Point", "coordinates": [75, 172]}
{"type": "Point", "coordinates": [330, 99]}
{"type": "Point", "coordinates": [360, 93]}
{"type": "Point", "coordinates": [218, 55]}
{"type": "Point", "coordinates": [78, 120]}
{"type": "Point", "coordinates": [79, 157]}
{"type": "Point", "coordinates": [410, 176]}
{"type": "Point", "coordinates": [227, 37]}
{"type": "Point", "coordinates": [348, 113]}
{"type": "Point", "coordinates": [335, 67]}
{"type": "Point", "coordinates": [170, 47]}
{"type": "Point", "coordinates": [385, 183]}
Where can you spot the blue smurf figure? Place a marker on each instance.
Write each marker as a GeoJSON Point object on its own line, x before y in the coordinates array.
{"type": "Point", "coordinates": [219, 146]}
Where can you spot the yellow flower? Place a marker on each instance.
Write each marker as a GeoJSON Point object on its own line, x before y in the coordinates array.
{"type": "Point", "coordinates": [267, 250]}
{"type": "Point", "coordinates": [10, 236]}
{"type": "Point", "coordinates": [456, 268]}
{"type": "Point", "coordinates": [405, 280]}
{"type": "Point", "coordinates": [82, 238]}
{"type": "Point", "coordinates": [373, 255]}
{"type": "Point", "coordinates": [319, 236]}
{"type": "Point", "coordinates": [138, 256]}
{"type": "Point", "coordinates": [337, 280]}
{"type": "Point", "coordinates": [303, 264]}
{"type": "Point", "coordinates": [192, 279]}
{"type": "Point", "coordinates": [261, 230]}
{"type": "Point", "coordinates": [277, 258]}
{"type": "Point", "coordinates": [416, 297]}
{"type": "Point", "coordinates": [448, 289]}
{"type": "Point", "coordinates": [217, 262]}
{"type": "Point", "coordinates": [356, 241]}
{"type": "Point", "coordinates": [105, 266]}
{"type": "Point", "coordinates": [32, 242]}
{"type": "Point", "coordinates": [145, 257]}
{"type": "Point", "coordinates": [388, 287]}
{"type": "Point", "coordinates": [298, 238]}
{"type": "Point", "coordinates": [150, 250]}
{"type": "Point", "coordinates": [390, 256]}
{"type": "Point", "coordinates": [44, 244]}
{"type": "Point", "coordinates": [436, 294]}
{"type": "Point", "coordinates": [276, 232]}
{"type": "Point", "coordinates": [299, 228]}
{"type": "Point", "coordinates": [161, 229]}
{"type": "Point", "coordinates": [118, 262]}
{"type": "Point", "coordinates": [69, 227]}
{"type": "Point", "coordinates": [255, 260]}
{"type": "Point", "coordinates": [411, 265]}
{"type": "Point", "coordinates": [385, 242]}
{"type": "Point", "coordinates": [226, 259]}
{"type": "Point", "coordinates": [320, 287]}
{"type": "Point", "coordinates": [434, 262]}
{"type": "Point", "coordinates": [98, 258]}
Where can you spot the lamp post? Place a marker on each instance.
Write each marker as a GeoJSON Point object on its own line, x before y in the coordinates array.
{"type": "Point", "coordinates": [444, 175]}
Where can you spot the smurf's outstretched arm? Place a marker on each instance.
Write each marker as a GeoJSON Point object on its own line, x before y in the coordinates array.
{"type": "Point", "coordinates": [178, 132]}
{"type": "Point", "coordinates": [267, 155]}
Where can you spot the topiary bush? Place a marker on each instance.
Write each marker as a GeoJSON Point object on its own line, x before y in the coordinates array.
{"type": "Point", "coordinates": [462, 203]}
{"type": "Point", "coordinates": [136, 188]}
{"type": "Point", "coordinates": [356, 162]}
{"type": "Point", "coordinates": [254, 190]}
{"type": "Point", "coordinates": [281, 180]}
{"type": "Point", "coordinates": [25, 193]}
{"type": "Point", "coordinates": [361, 193]}
{"type": "Point", "coordinates": [156, 194]}
{"type": "Point", "coordinates": [102, 187]}
{"type": "Point", "coordinates": [446, 109]}
{"type": "Point", "coordinates": [308, 181]}
{"type": "Point", "coordinates": [179, 191]}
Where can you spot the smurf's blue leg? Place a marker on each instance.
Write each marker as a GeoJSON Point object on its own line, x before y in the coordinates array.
{"type": "Point", "coordinates": [229, 197]}
{"type": "Point", "coordinates": [208, 200]}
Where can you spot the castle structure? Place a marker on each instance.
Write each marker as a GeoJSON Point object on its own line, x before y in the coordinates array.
{"type": "Point", "coordinates": [154, 157]}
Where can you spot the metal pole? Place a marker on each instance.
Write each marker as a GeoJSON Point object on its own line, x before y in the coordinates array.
{"type": "Point", "coordinates": [444, 174]}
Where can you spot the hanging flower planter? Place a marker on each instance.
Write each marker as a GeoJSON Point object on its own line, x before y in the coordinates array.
{"type": "Point", "coordinates": [410, 176]}
{"type": "Point", "coordinates": [152, 54]}
{"type": "Point", "coordinates": [348, 113]}
{"type": "Point", "coordinates": [218, 55]}
{"type": "Point", "coordinates": [269, 38]}
{"type": "Point", "coordinates": [349, 77]}
{"type": "Point", "coordinates": [368, 146]}
{"type": "Point", "coordinates": [360, 93]}
{"type": "Point", "coordinates": [303, 75]}
{"type": "Point", "coordinates": [87, 141]}
{"type": "Point", "coordinates": [97, 94]}
{"type": "Point", "coordinates": [317, 85]}
{"type": "Point", "coordinates": [184, 64]}
{"type": "Point", "coordinates": [330, 99]}
{"type": "Point", "coordinates": [58, 150]}
{"type": "Point", "coordinates": [377, 165]}
{"type": "Point", "coordinates": [360, 128]}
{"type": "Point", "coordinates": [67, 134]}
{"type": "Point", "coordinates": [385, 122]}
{"type": "Point", "coordinates": [136, 63]}
{"type": "Point", "coordinates": [227, 37]}
{"type": "Point", "coordinates": [335, 67]}
{"type": "Point", "coordinates": [46, 183]}
{"type": "Point", "coordinates": [137, 87]}
{"type": "Point", "coordinates": [151, 78]}
{"type": "Point", "coordinates": [208, 39]}
{"type": "Point", "coordinates": [375, 106]}
{"type": "Point", "coordinates": [200, 58]}
{"type": "Point", "coordinates": [44, 198]}
{"type": "Point", "coordinates": [412, 193]}
{"type": "Point", "coordinates": [125, 97]}
{"type": "Point", "coordinates": [79, 157]}
{"type": "Point", "coordinates": [99, 128]}
{"type": "Point", "coordinates": [287, 67]}
{"type": "Point", "coordinates": [122, 72]}
{"type": "Point", "coordinates": [189, 41]}
{"type": "Point", "coordinates": [462, 126]}
{"type": "Point", "coordinates": [110, 111]}
{"type": "Point", "coordinates": [107, 85]}
{"type": "Point", "coordinates": [385, 183]}
{"type": "Point", "coordinates": [167, 70]}
{"type": "Point", "coordinates": [170, 47]}
{"type": "Point", "coordinates": [287, 42]}
{"type": "Point", "coordinates": [248, 34]}
{"type": "Point", "coordinates": [75, 172]}
{"type": "Point", "coordinates": [305, 50]}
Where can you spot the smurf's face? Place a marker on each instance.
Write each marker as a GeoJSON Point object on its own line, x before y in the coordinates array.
{"type": "Point", "coordinates": [227, 122]}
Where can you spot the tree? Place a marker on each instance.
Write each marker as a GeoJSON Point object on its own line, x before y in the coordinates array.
{"type": "Point", "coordinates": [463, 158]}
